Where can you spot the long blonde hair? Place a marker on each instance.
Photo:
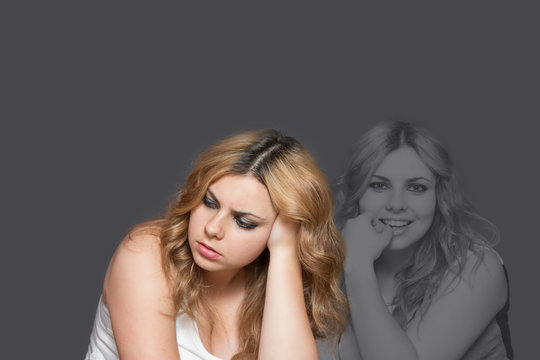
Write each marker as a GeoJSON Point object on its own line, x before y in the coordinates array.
{"type": "Point", "coordinates": [298, 190]}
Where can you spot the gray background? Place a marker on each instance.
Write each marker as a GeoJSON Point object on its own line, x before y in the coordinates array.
{"type": "Point", "coordinates": [105, 106]}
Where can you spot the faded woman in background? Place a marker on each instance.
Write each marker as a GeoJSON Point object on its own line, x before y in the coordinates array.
{"type": "Point", "coordinates": [244, 265]}
{"type": "Point", "coordinates": [421, 276]}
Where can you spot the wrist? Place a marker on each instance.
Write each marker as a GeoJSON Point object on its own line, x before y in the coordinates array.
{"type": "Point", "coordinates": [359, 266]}
{"type": "Point", "coordinates": [283, 249]}
{"type": "Point", "coordinates": [284, 253]}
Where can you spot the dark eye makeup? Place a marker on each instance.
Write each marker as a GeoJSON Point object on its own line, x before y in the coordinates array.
{"type": "Point", "coordinates": [238, 219]}
{"type": "Point", "coordinates": [244, 223]}
{"type": "Point", "coordinates": [209, 202]}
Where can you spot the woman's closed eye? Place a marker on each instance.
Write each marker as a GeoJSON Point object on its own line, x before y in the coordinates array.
{"type": "Point", "coordinates": [244, 223]}
{"type": "Point", "coordinates": [210, 203]}
{"type": "Point", "coordinates": [240, 220]}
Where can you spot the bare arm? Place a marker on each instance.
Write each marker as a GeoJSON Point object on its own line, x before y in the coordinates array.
{"type": "Point", "coordinates": [460, 312]}
{"type": "Point", "coordinates": [139, 301]}
{"type": "Point", "coordinates": [456, 317]}
{"type": "Point", "coordinates": [378, 335]}
{"type": "Point", "coordinates": [286, 332]}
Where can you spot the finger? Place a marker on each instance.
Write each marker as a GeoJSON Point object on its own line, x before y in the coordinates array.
{"type": "Point", "coordinates": [379, 226]}
{"type": "Point", "coordinates": [287, 224]}
{"type": "Point", "coordinates": [386, 234]}
{"type": "Point", "coordinates": [283, 226]}
{"type": "Point", "coordinates": [367, 216]}
{"type": "Point", "coordinates": [374, 221]}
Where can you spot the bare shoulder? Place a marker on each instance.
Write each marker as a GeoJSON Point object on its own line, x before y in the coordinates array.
{"type": "Point", "coordinates": [486, 265]}
{"type": "Point", "coordinates": [463, 306]}
{"type": "Point", "coordinates": [136, 248]}
{"type": "Point", "coordinates": [140, 242]}
{"type": "Point", "coordinates": [136, 266]}
{"type": "Point", "coordinates": [143, 237]}
{"type": "Point", "coordinates": [483, 275]}
{"type": "Point", "coordinates": [139, 298]}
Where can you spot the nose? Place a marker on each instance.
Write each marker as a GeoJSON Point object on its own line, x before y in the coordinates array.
{"type": "Point", "coordinates": [396, 202]}
{"type": "Point", "coordinates": [214, 226]}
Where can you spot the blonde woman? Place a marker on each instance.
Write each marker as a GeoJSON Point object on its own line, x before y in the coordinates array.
{"type": "Point", "coordinates": [244, 265]}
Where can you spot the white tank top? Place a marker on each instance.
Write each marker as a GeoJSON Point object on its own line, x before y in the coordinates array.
{"type": "Point", "coordinates": [103, 347]}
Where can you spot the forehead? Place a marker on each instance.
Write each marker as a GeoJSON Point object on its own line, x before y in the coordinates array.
{"type": "Point", "coordinates": [243, 193]}
{"type": "Point", "coordinates": [403, 163]}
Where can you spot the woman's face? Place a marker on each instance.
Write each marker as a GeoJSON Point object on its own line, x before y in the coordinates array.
{"type": "Point", "coordinates": [230, 227]}
{"type": "Point", "coordinates": [401, 194]}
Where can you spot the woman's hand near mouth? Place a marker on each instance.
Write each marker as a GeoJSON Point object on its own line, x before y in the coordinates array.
{"type": "Point", "coordinates": [366, 238]}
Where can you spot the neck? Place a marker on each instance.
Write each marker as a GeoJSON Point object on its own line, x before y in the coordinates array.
{"type": "Point", "coordinates": [222, 282]}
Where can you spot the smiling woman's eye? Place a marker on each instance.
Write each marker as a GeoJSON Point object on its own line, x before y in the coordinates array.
{"type": "Point", "coordinates": [244, 223]}
{"type": "Point", "coordinates": [209, 202]}
{"type": "Point", "coordinates": [417, 188]}
{"type": "Point", "coordinates": [379, 186]}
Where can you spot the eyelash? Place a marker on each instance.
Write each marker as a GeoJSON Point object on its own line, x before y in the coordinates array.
{"type": "Point", "coordinates": [417, 188]}
{"type": "Point", "coordinates": [209, 203]}
{"type": "Point", "coordinates": [379, 186]}
{"type": "Point", "coordinates": [239, 220]}
{"type": "Point", "coordinates": [243, 223]}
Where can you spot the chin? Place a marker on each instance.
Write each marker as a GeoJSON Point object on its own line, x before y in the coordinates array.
{"type": "Point", "coordinates": [402, 243]}
{"type": "Point", "coordinates": [205, 264]}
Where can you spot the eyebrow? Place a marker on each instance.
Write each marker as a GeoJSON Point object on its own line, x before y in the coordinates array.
{"type": "Point", "coordinates": [235, 212]}
{"type": "Point", "coordinates": [408, 180]}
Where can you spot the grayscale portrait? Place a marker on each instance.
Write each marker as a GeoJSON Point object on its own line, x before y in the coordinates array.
{"type": "Point", "coordinates": [421, 268]}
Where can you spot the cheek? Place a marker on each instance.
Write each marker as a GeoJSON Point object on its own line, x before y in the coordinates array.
{"type": "Point", "coordinates": [426, 206]}
{"type": "Point", "coordinates": [371, 202]}
{"type": "Point", "coordinates": [196, 220]}
{"type": "Point", "coordinates": [261, 240]}
{"type": "Point", "coordinates": [252, 245]}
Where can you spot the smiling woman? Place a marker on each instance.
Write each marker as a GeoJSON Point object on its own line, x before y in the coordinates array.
{"type": "Point", "coordinates": [402, 196]}
{"type": "Point", "coordinates": [421, 276]}
{"type": "Point", "coordinates": [245, 264]}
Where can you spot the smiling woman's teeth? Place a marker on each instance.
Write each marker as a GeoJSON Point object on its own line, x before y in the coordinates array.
{"type": "Point", "coordinates": [396, 223]}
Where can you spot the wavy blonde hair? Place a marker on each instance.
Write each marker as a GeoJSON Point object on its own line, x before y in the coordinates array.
{"type": "Point", "coordinates": [299, 190]}
{"type": "Point", "coordinates": [456, 230]}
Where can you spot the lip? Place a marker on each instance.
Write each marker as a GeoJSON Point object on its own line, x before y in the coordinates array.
{"type": "Point", "coordinates": [396, 223]}
{"type": "Point", "coordinates": [207, 251]}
